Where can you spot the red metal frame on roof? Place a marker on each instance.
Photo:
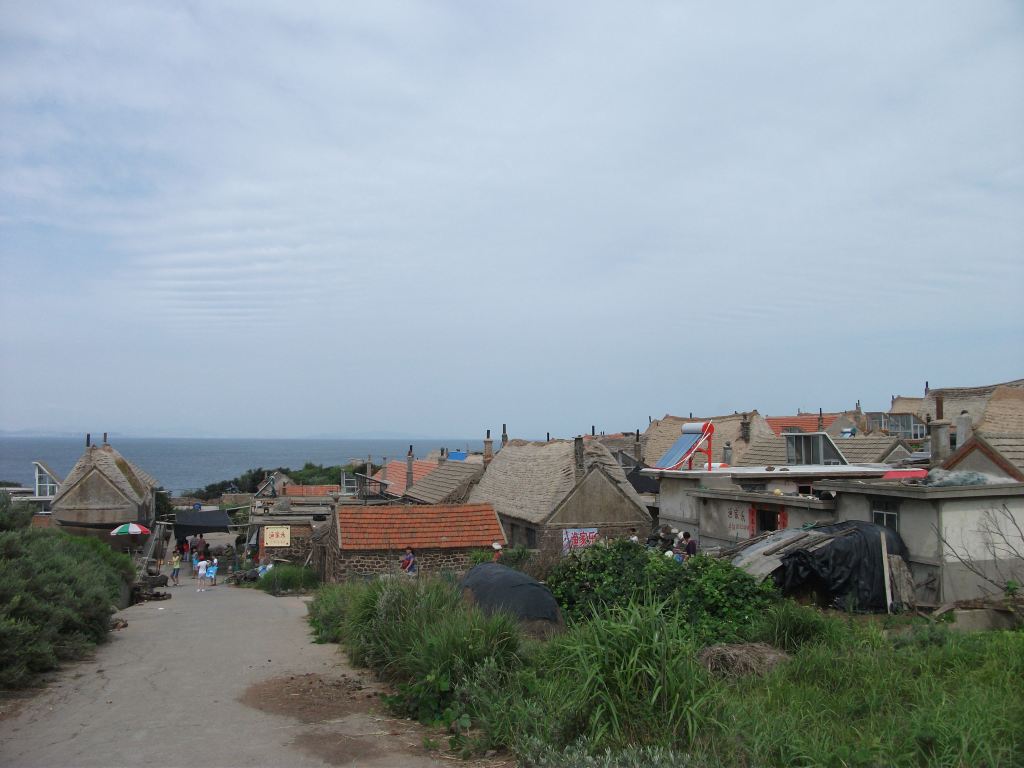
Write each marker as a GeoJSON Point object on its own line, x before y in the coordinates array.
{"type": "Point", "coordinates": [703, 445]}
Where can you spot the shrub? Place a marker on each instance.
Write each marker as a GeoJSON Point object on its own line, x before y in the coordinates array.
{"type": "Point", "coordinates": [288, 578]}
{"type": "Point", "coordinates": [511, 557]}
{"type": "Point", "coordinates": [716, 600]}
{"type": "Point", "coordinates": [57, 594]}
{"type": "Point", "coordinates": [13, 516]}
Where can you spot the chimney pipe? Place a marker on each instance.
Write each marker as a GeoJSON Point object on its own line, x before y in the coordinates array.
{"type": "Point", "coordinates": [577, 446]}
{"type": "Point", "coordinates": [745, 429]}
{"type": "Point", "coordinates": [821, 421]}
{"type": "Point", "coordinates": [938, 407]}
{"type": "Point", "coordinates": [964, 428]}
{"type": "Point", "coordinates": [104, 438]}
{"type": "Point", "coordinates": [408, 468]}
{"type": "Point", "coordinates": [88, 439]}
{"type": "Point", "coordinates": [488, 448]}
{"type": "Point", "coordinates": [549, 437]}
{"type": "Point", "coordinates": [926, 386]}
{"type": "Point", "coordinates": [727, 453]}
{"type": "Point", "coordinates": [593, 430]}
{"type": "Point", "coordinates": [504, 435]}
{"type": "Point", "coordinates": [384, 469]}
{"type": "Point", "coordinates": [636, 447]}
{"type": "Point", "coordinates": [442, 458]}
{"type": "Point", "coordinates": [940, 441]}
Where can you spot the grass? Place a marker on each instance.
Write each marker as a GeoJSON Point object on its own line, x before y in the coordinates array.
{"type": "Point", "coordinates": [288, 578]}
{"type": "Point", "coordinates": [623, 685]}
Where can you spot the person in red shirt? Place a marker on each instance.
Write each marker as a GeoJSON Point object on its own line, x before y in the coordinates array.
{"type": "Point", "coordinates": [497, 552]}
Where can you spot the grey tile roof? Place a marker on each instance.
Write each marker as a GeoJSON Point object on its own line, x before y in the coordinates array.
{"type": "Point", "coordinates": [1004, 413]}
{"type": "Point", "coordinates": [662, 433]}
{"type": "Point", "coordinates": [1009, 446]}
{"type": "Point", "coordinates": [764, 450]}
{"type": "Point", "coordinates": [529, 480]}
{"type": "Point", "coordinates": [450, 482]}
{"type": "Point", "coordinates": [866, 449]}
{"type": "Point", "coordinates": [132, 482]}
{"type": "Point", "coordinates": [862, 449]}
{"type": "Point", "coordinates": [974, 400]}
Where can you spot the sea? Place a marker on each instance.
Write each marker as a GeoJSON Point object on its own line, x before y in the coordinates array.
{"type": "Point", "coordinates": [184, 464]}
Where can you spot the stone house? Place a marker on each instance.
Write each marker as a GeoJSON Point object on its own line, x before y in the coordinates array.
{"type": "Point", "coordinates": [1000, 455]}
{"type": "Point", "coordinates": [942, 525]}
{"type": "Point", "coordinates": [798, 448]}
{"type": "Point", "coordinates": [104, 490]}
{"type": "Point", "coordinates": [370, 540]}
{"type": "Point", "coordinates": [547, 491]}
{"type": "Point", "coordinates": [300, 539]}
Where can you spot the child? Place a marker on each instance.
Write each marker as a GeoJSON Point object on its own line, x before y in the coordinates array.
{"type": "Point", "coordinates": [195, 561]}
{"type": "Point", "coordinates": [176, 567]}
{"type": "Point", "coordinates": [211, 572]}
{"type": "Point", "coordinates": [203, 565]}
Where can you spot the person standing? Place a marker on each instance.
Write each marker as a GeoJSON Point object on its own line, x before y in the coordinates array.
{"type": "Point", "coordinates": [689, 545]}
{"type": "Point", "coordinates": [201, 584]}
{"type": "Point", "coordinates": [175, 567]}
{"type": "Point", "coordinates": [496, 546]}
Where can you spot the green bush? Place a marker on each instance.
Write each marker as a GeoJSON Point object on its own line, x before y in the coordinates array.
{"type": "Point", "coordinates": [511, 557]}
{"type": "Point", "coordinates": [288, 578]}
{"type": "Point", "coordinates": [13, 516]}
{"type": "Point", "coordinates": [57, 594]}
{"type": "Point", "coordinates": [716, 600]}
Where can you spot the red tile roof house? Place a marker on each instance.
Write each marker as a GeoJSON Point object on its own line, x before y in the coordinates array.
{"type": "Point", "coordinates": [370, 540]}
{"type": "Point", "coordinates": [401, 475]}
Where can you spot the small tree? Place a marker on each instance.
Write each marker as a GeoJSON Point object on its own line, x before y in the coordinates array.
{"type": "Point", "coordinates": [1002, 540]}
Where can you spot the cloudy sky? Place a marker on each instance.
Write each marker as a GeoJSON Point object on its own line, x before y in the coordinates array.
{"type": "Point", "coordinates": [286, 219]}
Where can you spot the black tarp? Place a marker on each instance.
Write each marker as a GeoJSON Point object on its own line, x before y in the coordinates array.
{"type": "Point", "coordinates": [847, 570]}
{"type": "Point", "coordinates": [496, 587]}
{"type": "Point", "coordinates": [190, 522]}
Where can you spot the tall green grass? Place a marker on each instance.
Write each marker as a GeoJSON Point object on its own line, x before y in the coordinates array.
{"type": "Point", "coordinates": [288, 578]}
{"type": "Point", "coordinates": [627, 677]}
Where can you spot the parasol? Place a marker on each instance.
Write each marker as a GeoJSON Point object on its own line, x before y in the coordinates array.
{"type": "Point", "coordinates": [129, 528]}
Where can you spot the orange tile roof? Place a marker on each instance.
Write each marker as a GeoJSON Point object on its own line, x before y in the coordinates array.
{"type": "Point", "coordinates": [311, 490]}
{"type": "Point", "coordinates": [807, 422]}
{"type": "Point", "coordinates": [396, 474]}
{"type": "Point", "coordinates": [435, 526]}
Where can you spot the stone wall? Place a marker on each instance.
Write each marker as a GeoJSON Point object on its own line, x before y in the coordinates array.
{"type": "Point", "coordinates": [334, 565]}
{"type": "Point", "coordinates": [297, 551]}
{"type": "Point", "coordinates": [549, 539]}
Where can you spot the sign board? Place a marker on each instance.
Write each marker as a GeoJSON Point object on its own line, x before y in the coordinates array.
{"type": "Point", "coordinates": [577, 538]}
{"type": "Point", "coordinates": [277, 535]}
{"type": "Point", "coordinates": [197, 507]}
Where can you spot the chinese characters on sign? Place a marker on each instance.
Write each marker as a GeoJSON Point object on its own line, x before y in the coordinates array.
{"type": "Point", "coordinates": [277, 536]}
{"type": "Point", "coordinates": [577, 538]}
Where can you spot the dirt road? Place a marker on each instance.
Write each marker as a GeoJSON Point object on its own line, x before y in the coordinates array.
{"type": "Point", "coordinates": [226, 677]}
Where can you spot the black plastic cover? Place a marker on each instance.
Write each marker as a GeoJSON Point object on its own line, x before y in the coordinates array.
{"type": "Point", "coordinates": [496, 587]}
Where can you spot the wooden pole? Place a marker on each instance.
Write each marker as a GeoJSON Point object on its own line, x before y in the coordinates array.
{"type": "Point", "coordinates": [885, 572]}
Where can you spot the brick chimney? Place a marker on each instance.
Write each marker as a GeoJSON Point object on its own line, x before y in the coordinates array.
{"type": "Point", "coordinates": [443, 457]}
{"type": "Point", "coordinates": [488, 448]}
{"type": "Point", "coordinates": [745, 429]}
{"type": "Point", "coordinates": [821, 421]}
{"type": "Point", "coordinates": [636, 447]}
{"type": "Point", "coordinates": [727, 453]}
{"type": "Point", "coordinates": [504, 435]}
{"type": "Point", "coordinates": [577, 449]}
{"type": "Point", "coordinates": [88, 439]}
{"type": "Point", "coordinates": [384, 469]}
{"type": "Point", "coordinates": [938, 408]}
{"type": "Point", "coordinates": [940, 440]}
{"type": "Point", "coordinates": [964, 428]}
{"type": "Point", "coordinates": [408, 468]}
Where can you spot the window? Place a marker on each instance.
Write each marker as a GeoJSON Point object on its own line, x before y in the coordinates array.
{"type": "Point", "coordinates": [45, 484]}
{"type": "Point", "coordinates": [814, 448]}
{"type": "Point", "coordinates": [531, 538]}
{"type": "Point", "coordinates": [886, 512]}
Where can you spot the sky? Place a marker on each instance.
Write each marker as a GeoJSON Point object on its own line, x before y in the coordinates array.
{"type": "Point", "coordinates": [276, 219]}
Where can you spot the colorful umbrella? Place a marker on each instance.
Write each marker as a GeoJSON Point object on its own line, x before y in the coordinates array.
{"type": "Point", "coordinates": [127, 528]}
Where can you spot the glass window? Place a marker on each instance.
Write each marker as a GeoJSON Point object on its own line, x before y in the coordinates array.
{"type": "Point", "coordinates": [886, 512]}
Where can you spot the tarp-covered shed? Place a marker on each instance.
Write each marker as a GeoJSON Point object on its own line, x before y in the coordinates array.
{"type": "Point", "coordinates": [841, 562]}
{"type": "Point", "coordinates": [494, 588]}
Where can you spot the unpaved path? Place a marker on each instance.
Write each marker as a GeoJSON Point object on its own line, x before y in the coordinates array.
{"type": "Point", "coordinates": [227, 677]}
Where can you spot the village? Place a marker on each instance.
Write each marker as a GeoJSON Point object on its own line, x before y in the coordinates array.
{"type": "Point", "coordinates": [747, 538]}
{"type": "Point", "coordinates": [943, 471]}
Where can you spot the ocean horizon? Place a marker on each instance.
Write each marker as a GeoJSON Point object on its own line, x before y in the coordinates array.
{"type": "Point", "coordinates": [183, 464]}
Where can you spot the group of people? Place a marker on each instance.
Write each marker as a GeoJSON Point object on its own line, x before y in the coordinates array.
{"type": "Point", "coordinates": [679, 546]}
{"type": "Point", "coordinates": [195, 551]}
